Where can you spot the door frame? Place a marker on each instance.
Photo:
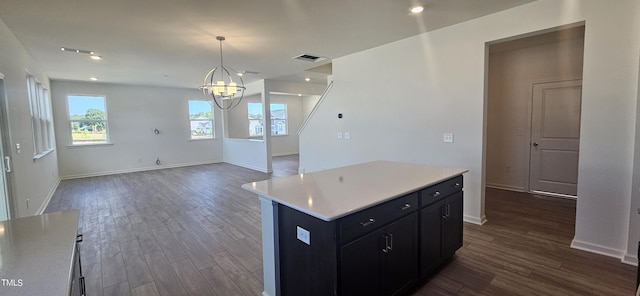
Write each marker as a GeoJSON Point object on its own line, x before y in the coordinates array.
{"type": "Point", "coordinates": [6, 149]}
{"type": "Point", "coordinates": [527, 186]}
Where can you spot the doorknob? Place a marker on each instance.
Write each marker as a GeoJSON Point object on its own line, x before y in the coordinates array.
{"type": "Point", "coordinates": [535, 144]}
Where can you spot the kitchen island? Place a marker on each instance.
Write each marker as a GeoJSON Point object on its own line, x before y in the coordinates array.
{"type": "Point", "coordinates": [375, 228]}
{"type": "Point", "coordinates": [39, 255]}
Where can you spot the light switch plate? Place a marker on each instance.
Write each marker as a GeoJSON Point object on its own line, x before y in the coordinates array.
{"type": "Point", "coordinates": [347, 135]}
{"type": "Point", "coordinates": [339, 135]}
{"type": "Point", "coordinates": [303, 235]}
{"type": "Point", "coordinates": [448, 138]}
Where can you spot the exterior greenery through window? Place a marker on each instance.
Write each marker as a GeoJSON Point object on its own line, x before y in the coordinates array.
{"type": "Point", "coordinates": [201, 119]}
{"type": "Point", "coordinates": [278, 119]}
{"type": "Point", "coordinates": [41, 118]}
{"type": "Point", "coordinates": [88, 119]}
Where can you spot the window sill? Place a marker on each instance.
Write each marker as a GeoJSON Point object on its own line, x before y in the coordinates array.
{"type": "Point", "coordinates": [43, 154]}
{"type": "Point", "coordinates": [202, 139]}
{"type": "Point", "coordinates": [283, 135]}
{"type": "Point", "coordinates": [89, 145]}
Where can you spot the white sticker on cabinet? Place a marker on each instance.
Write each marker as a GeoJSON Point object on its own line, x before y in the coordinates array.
{"type": "Point", "coordinates": [303, 235]}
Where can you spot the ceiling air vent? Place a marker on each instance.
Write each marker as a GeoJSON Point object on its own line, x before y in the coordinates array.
{"type": "Point", "coordinates": [309, 58]}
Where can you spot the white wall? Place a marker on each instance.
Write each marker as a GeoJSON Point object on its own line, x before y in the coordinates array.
{"type": "Point", "coordinates": [133, 112]}
{"type": "Point", "coordinates": [33, 180]}
{"type": "Point", "coordinates": [440, 78]}
{"type": "Point", "coordinates": [288, 144]}
{"type": "Point", "coordinates": [308, 102]}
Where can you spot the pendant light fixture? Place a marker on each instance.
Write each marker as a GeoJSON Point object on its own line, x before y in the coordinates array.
{"type": "Point", "coordinates": [223, 84]}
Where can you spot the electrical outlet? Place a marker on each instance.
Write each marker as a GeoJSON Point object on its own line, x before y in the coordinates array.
{"type": "Point", "coordinates": [303, 235]}
{"type": "Point", "coordinates": [448, 138]}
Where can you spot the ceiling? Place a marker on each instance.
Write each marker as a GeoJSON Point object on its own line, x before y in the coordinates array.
{"type": "Point", "coordinates": [173, 43]}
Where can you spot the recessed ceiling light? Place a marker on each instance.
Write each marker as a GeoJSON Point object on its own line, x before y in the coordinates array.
{"type": "Point", "coordinates": [417, 9]}
{"type": "Point", "coordinates": [299, 95]}
{"type": "Point", "coordinates": [93, 78]}
{"type": "Point", "coordinates": [95, 57]}
{"type": "Point", "coordinates": [240, 74]}
{"type": "Point", "coordinates": [307, 79]}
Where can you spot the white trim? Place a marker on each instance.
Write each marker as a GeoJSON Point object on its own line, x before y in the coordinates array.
{"type": "Point", "coordinates": [45, 204]}
{"type": "Point", "coordinates": [630, 259]}
{"type": "Point", "coordinates": [475, 220]}
{"type": "Point", "coordinates": [1, 76]}
{"type": "Point", "coordinates": [505, 187]}
{"type": "Point", "coordinates": [134, 170]}
{"type": "Point", "coordinates": [598, 249]}
{"type": "Point", "coordinates": [43, 154]}
{"type": "Point", "coordinates": [544, 193]}
{"type": "Point", "coordinates": [255, 168]}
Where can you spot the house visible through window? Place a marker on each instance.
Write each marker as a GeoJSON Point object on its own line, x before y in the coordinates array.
{"type": "Point", "coordinates": [88, 119]}
{"type": "Point", "coordinates": [278, 119]}
{"type": "Point", "coordinates": [41, 118]}
{"type": "Point", "coordinates": [201, 119]}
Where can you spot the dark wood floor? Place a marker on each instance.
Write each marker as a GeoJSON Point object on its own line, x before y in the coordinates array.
{"type": "Point", "coordinates": [194, 231]}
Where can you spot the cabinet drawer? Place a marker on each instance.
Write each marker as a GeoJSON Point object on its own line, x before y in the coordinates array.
{"type": "Point", "coordinates": [436, 192]}
{"type": "Point", "coordinates": [373, 218]}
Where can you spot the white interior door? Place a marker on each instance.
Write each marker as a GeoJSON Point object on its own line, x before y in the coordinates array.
{"type": "Point", "coordinates": [555, 137]}
{"type": "Point", "coordinates": [4, 158]}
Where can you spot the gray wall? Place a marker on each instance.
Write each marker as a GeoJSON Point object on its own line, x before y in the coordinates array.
{"type": "Point", "coordinates": [133, 112]}
{"type": "Point", "coordinates": [513, 68]}
{"type": "Point", "coordinates": [33, 180]}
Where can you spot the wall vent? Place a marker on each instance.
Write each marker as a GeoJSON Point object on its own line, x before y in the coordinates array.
{"type": "Point", "coordinates": [309, 58]}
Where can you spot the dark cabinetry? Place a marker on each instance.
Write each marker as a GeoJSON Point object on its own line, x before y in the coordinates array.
{"type": "Point", "coordinates": [380, 250]}
{"type": "Point", "coordinates": [440, 224]}
{"type": "Point", "coordinates": [382, 262]}
{"type": "Point", "coordinates": [77, 280]}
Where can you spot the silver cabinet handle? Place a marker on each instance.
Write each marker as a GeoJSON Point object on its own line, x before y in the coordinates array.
{"type": "Point", "coordinates": [406, 206]}
{"type": "Point", "coordinates": [7, 163]}
{"type": "Point", "coordinates": [443, 211]}
{"type": "Point", "coordinates": [456, 185]}
{"type": "Point", "coordinates": [390, 246]}
{"type": "Point", "coordinates": [448, 210]}
{"type": "Point", "coordinates": [367, 223]}
{"type": "Point", "coordinates": [386, 244]}
{"type": "Point", "coordinates": [435, 194]}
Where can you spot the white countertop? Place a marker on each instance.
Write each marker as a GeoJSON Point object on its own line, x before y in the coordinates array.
{"type": "Point", "coordinates": [36, 253]}
{"type": "Point", "coordinates": [334, 193]}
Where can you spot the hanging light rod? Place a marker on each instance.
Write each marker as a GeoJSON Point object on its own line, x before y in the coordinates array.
{"type": "Point", "coordinates": [91, 54]}
{"type": "Point", "coordinates": [219, 84]}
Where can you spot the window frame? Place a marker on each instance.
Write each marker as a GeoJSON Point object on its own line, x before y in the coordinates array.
{"type": "Point", "coordinates": [284, 121]}
{"type": "Point", "coordinates": [107, 140]}
{"type": "Point", "coordinates": [212, 120]}
{"type": "Point", "coordinates": [41, 116]}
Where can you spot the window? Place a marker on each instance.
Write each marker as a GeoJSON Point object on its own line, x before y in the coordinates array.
{"type": "Point", "coordinates": [88, 119]}
{"type": "Point", "coordinates": [41, 118]}
{"type": "Point", "coordinates": [201, 119]}
{"type": "Point", "coordinates": [278, 119]}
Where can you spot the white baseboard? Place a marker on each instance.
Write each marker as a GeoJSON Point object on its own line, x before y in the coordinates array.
{"type": "Point", "coordinates": [630, 259]}
{"type": "Point", "coordinates": [598, 249]}
{"type": "Point", "coordinates": [45, 204]}
{"type": "Point", "coordinates": [251, 167]}
{"type": "Point", "coordinates": [133, 170]}
{"type": "Point", "coordinates": [505, 187]}
{"type": "Point", "coordinates": [475, 220]}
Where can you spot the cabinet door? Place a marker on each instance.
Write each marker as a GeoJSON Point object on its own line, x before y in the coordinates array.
{"type": "Point", "coordinates": [430, 237]}
{"type": "Point", "coordinates": [402, 254]}
{"type": "Point", "coordinates": [361, 265]}
{"type": "Point", "coordinates": [452, 225]}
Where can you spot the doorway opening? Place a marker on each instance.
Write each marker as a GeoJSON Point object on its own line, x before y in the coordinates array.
{"type": "Point", "coordinates": [534, 87]}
